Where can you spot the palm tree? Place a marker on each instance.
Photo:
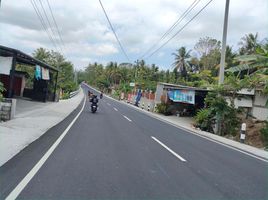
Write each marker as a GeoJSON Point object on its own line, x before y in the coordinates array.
{"type": "Point", "coordinates": [181, 63]}
{"type": "Point", "coordinates": [257, 62]}
{"type": "Point", "coordinates": [249, 44]}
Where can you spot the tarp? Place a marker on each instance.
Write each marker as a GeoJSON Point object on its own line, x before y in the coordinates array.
{"type": "Point", "coordinates": [5, 65]}
{"type": "Point", "coordinates": [184, 96]}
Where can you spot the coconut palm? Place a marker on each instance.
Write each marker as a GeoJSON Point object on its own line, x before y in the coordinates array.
{"type": "Point", "coordinates": [181, 63]}
{"type": "Point", "coordinates": [249, 44]}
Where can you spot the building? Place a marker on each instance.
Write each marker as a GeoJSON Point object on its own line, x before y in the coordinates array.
{"type": "Point", "coordinates": [183, 98]}
{"type": "Point", "coordinates": [43, 81]}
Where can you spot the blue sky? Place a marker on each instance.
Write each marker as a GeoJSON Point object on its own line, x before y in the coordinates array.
{"type": "Point", "coordinates": [138, 24]}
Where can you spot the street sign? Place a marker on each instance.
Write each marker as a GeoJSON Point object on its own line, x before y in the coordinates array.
{"type": "Point", "coordinates": [132, 84]}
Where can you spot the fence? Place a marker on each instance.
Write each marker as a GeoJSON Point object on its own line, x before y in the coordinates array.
{"type": "Point", "coordinates": [72, 94]}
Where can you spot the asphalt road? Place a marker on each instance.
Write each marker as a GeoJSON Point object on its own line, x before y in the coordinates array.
{"type": "Point", "coordinates": [121, 153]}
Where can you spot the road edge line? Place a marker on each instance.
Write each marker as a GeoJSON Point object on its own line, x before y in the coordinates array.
{"type": "Point", "coordinates": [24, 182]}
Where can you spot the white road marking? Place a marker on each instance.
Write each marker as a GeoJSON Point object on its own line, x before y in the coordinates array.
{"type": "Point", "coordinates": [108, 104]}
{"type": "Point", "coordinates": [190, 131]}
{"type": "Point", "coordinates": [23, 183]}
{"type": "Point", "coordinates": [170, 150]}
{"type": "Point", "coordinates": [127, 118]}
{"type": "Point", "coordinates": [115, 109]}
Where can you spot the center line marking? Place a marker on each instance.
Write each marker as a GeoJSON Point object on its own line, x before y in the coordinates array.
{"type": "Point", "coordinates": [167, 148]}
{"type": "Point", "coordinates": [127, 118]}
{"type": "Point", "coordinates": [115, 109]}
{"type": "Point", "coordinates": [108, 104]}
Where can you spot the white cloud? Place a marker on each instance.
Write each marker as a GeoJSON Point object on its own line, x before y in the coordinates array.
{"type": "Point", "coordinates": [138, 24]}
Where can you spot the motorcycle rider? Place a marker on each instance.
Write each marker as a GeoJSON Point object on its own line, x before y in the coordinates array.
{"type": "Point", "coordinates": [101, 95]}
{"type": "Point", "coordinates": [89, 94]}
{"type": "Point", "coordinates": [94, 100]}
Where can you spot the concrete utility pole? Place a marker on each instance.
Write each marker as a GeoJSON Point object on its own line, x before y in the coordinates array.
{"type": "Point", "coordinates": [222, 64]}
{"type": "Point", "coordinates": [223, 49]}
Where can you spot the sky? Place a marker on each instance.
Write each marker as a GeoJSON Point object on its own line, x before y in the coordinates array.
{"type": "Point", "coordinates": [139, 24]}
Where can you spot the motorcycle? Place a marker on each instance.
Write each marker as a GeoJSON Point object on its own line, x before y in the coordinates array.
{"type": "Point", "coordinates": [94, 108]}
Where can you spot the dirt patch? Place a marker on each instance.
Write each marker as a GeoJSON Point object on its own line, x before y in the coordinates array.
{"type": "Point", "coordinates": [253, 134]}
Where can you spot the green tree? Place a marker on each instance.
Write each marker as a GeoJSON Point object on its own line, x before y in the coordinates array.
{"type": "Point", "coordinates": [249, 44]}
{"type": "Point", "coordinates": [209, 51]}
{"type": "Point", "coordinates": [181, 63]}
{"type": "Point", "coordinates": [66, 68]}
{"type": "Point", "coordinates": [230, 56]}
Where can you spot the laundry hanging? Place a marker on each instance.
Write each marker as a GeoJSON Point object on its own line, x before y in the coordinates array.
{"type": "Point", "coordinates": [45, 74]}
{"type": "Point", "coordinates": [37, 72]}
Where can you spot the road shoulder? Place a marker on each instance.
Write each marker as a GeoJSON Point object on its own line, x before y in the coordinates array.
{"type": "Point", "coordinates": [18, 133]}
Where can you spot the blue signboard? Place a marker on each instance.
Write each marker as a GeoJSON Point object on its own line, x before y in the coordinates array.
{"type": "Point", "coordinates": [184, 96]}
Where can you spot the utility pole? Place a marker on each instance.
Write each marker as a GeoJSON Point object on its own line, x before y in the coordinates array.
{"type": "Point", "coordinates": [223, 49]}
{"type": "Point", "coordinates": [136, 70]}
{"type": "Point", "coordinates": [222, 64]}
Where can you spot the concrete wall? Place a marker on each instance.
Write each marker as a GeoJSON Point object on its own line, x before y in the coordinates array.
{"type": "Point", "coordinates": [159, 93]}
{"type": "Point", "coordinates": [260, 110]}
{"type": "Point", "coordinates": [243, 102]}
{"type": "Point", "coordinates": [7, 109]}
{"type": "Point", "coordinates": [144, 103]}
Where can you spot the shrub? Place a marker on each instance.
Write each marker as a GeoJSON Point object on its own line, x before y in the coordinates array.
{"type": "Point", "coordinates": [163, 108]}
{"type": "Point", "coordinates": [218, 108]}
{"type": "Point", "coordinates": [2, 89]}
{"type": "Point", "coordinates": [65, 95]}
{"type": "Point", "coordinates": [203, 119]}
{"type": "Point", "coordinates": [264, 133]}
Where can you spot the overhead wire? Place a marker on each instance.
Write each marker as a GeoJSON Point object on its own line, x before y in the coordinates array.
{"type": "Point", "coordinates": [181, 29]}
{"type": "Point", "coordinates": [176, 23]}
{"type": "Point", "coordinates": [123, 50]}
{"type": "Point", "coordinates": [55, 23]}
{"type": "Point", "coordinates": [41, 19]}
{"type": "Point", "coordinates": [49, 24]}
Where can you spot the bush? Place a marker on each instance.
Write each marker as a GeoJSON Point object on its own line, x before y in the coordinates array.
{"type": "Point", "coordinates": [163, 108]}
{"type": "Point", "coordinates": [203, 119]}
{"type": "Point", "coordinates": [217, 107]}
{"type": "Point", "coordinates": [2, 89]}
{"type": "Point", "coordinates": [65, 95]}
{"type": "Point", "coordinates": [69, 87]}
{"type": "Point", "coordinates": [264, 133]}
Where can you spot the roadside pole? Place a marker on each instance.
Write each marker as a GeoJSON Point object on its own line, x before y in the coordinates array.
{"type": "Point", "coordinates": [223, 49]}
{"type": "Point", "coordinates": [223, 53]}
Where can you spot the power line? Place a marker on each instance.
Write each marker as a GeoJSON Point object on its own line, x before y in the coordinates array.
{"type": "Point", "coordinates": [40, 17]}
{"type": "Point", "coordinates": [54, 20]}
{"type": "Point", "coordinates": [179, 20]}
{"type": "Point", "coordinates": [49, 24]}
{"type": "Point", "coordinates": [114, 32]}
{"type": "Point", "coordinates": [180, 29]}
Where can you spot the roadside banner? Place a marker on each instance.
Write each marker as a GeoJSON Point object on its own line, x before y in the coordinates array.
{"type": "Point", "coordinates": [45, 74]}
{"type": "Point", "coordinates": [132, 84]}
{"type": "Point", "coordinates": [184, 96]}
{"type": "Point", "coordinates": [5, 65]}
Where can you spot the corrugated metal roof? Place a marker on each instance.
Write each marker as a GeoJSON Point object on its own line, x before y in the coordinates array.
{"type": "Point", "coordinates": [174, 86]}
{"type": "Point", "coordinates": [23, 57]}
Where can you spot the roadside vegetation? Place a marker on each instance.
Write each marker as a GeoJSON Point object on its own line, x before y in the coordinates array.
{"type": "Point", "coordinates": [198, 67]}
{"type": "Point", "coordinates": [66, 80]}
{"type": "Point", "coordinates": [1, 91]}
